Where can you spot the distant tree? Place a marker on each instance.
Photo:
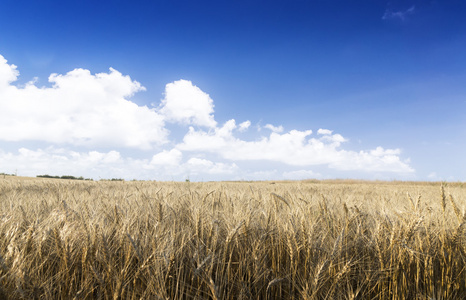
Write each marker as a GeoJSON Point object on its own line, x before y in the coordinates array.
{"type": "Point", "coordinates": [69, 177]}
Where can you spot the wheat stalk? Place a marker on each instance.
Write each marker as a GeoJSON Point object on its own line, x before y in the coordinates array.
{"type": "Point", "coordinates": [456, 209]}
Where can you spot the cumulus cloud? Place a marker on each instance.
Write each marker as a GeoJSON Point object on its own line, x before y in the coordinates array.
{"type": "Point", "coordinates": [274, 128]}
{"type": "Point", "coordinates": [293, 148]}
{"type": "Point", "coordinates": [93, 110]}
{"type": "Point", "coordinates": [200, 165]}
{"type": "Point", "coordinates": [324, 131]}
{"type": "Point", "coordinates": [244, 126]}
{"type": "Point", "coordinates": [376, 160]}
{"type": "Point", "coordinates": [166, 165]}
{"type": "Point", "coordinates": [402, 15]}
{"type": "Point", "coordinates": [80, 109]}
{"type": "Point", "coordinates": [170, 158]}
{"type": "Point", "coordinates": [8, 73]}
{"type": "Point", "coordinates": [187, 104]}
{"type": "Point", "coordinates": [59, 161]}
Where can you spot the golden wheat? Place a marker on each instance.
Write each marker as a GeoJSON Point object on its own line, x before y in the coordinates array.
{"type": "Point", "coordinates": [346, 239]}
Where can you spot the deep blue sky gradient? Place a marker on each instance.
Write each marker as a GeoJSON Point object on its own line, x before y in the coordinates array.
{"type": "Point", "coordinates": [399, 82]}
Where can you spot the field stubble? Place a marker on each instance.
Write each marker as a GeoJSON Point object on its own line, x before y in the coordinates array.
{"type": "Point", "coordinates": [231, 240]}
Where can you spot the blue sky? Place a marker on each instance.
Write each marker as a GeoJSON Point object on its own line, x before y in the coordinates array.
{"type": "Point", "coordinates": [227, 90]}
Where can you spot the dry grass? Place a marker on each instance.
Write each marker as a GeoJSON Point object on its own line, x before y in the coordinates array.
{"type": "Point", "coordinates": [288, 240]}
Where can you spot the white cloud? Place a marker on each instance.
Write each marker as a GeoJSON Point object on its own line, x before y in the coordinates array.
{"type": "Point", "coordinates": [170, 158]}
{"type": "Point", "coordinates": [166, 165]}
{"type": "Point", "coordinates": [93, 110]}
{"type": "Point", "coordinates": [398, 14]}
{"type": "Point", "coordinates": [293, 148]}
{"type": "Point", "coordinates": [324, 131]}
{"type": "Point", "coordinates": [244, 126]}
{"type": "Point", "coordinates": [187, 104]}
{"type": "Point", "coordinates": [274, 128]}
{"type": "Point", "coordinates": [79, 109]}
{"type": "Point", "coordinates": [336, 139]}
{"type": "Point", "coordinates": [8, 73]}
{"type": "Point", "coordinates": [198, 165]}
{"type": "Point", "coordinates": [61, 161]}
{"type": "Point", "coordinates": [377, 160]}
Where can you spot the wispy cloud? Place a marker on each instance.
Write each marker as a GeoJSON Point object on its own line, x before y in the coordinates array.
{"type": "Point", "coordinates": [276, 129]}
{"type": "Point", "coordinates": [244, 126]}
{"type": "Point", "coordinates": [402, 14]}
{"type": "Point", "coordinates": [324, 131]}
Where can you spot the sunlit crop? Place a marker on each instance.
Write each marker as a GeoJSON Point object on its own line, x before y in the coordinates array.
{"type": "Point", "coordinates": [63, 239]}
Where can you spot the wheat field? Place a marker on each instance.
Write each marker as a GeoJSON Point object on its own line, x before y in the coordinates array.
{"type": "Point", "coordinates": [65, 239]}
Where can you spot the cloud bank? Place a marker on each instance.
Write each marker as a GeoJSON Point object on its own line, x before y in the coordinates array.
{"type": "Point", "coordinates": [89, 111]}
{"type": "Point", "coordinates": [294, 148]}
